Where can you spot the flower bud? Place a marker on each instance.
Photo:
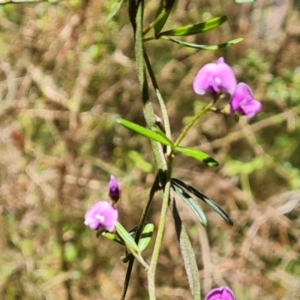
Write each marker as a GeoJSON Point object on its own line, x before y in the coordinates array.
{"type": "Point", "coordinates": [114, 191]}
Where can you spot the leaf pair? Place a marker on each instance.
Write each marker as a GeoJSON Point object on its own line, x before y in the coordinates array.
{"type": "Point", "coordinates": [125, 238]}
{"type": "Point", "coordinates": [178, 186]}
{"type": "Point", "coordinates": [157, 135]}
{"type": "Point", "coordinates": [192, 29]}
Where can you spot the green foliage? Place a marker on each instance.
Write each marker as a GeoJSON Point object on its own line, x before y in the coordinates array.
{"type": "Point", "coordinates": [195, 207]}
{"type": "Point", "coordinates": [146, 237]}
{"type": "Point", "coordinates": [158, 136]}
{"type": "Point", "coordinates": [155, 136]}
{"type": "Point", "coordinates": [127, 238]}
{"type": "Point", "coordinates": [293, 267]}
{"type": "Point", "coordinates": [205, 199]}
{"type": "Point", "coordinates": [195, 28]}
{"type": "Point", "coordinates": [162, 16]}
{"type": "Point", "coordinates": [198, 155]}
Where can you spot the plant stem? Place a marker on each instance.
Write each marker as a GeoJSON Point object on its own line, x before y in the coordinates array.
{"type": "Point", "coordinates": [140, 259]}
{"type": "Point", "coordinates": [140, 65]}
{"type": "Point", "coordinates": [136, 18]}
{"type": "Point", "coordinates": [160, 99]}
{"type": "Point", "coordinates": [160, 233]}
{"type": "Point", "coordinates": [202, 112]}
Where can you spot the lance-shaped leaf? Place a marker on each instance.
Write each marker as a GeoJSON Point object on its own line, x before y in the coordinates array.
{"type": "Point", "coordinates": [187, 252]}
{"type": "Point", "coordinates": [146, 237]}
{"type": "Point", "coordinates": [158, 137]}
{"type": "Point", "coordinates": [199, 155]}
{"type": "Point", "coordinates": [113, 10]}
{"type": "Point", "coordinates": [195, 28]}
{"type": "Point", "coordinates": [127, 238]}
{"type": "Point", "coordinates": [195, 207]}
{"type": "Point", "coordinates": [162, 15]}
{"type": "Point", "coordinates": [203, 47]}
{"type": "Point", "coordinates": [161, 20]}
{"type": "Point", "coordinates": [205, 199]}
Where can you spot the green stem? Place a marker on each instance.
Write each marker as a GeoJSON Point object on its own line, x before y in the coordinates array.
{"type": "Point", "coordinates": [136, 17]}
{"type": "Point", "coordinates": [202, 112]}
{"type": "Point", "coordinates": [140, 65]}
{"type": "Point", "coordinates": [140, 259]}
{"type": "Point", "coordinates": [160, 233]}
{"type": "Point", "coordinates": [160, 99]}
{"type": "Point", "coordinates": [150, 38]}
{"type": "Point", "coordinates": [138, 235]}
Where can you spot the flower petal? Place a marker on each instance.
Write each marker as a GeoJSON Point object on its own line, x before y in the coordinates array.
{"type": "Point", "coordinates": [251, 108]}
{"type": "Point", "coordinates": [101, 215]}
{"type": "Point", "coordinates": [215, 78]}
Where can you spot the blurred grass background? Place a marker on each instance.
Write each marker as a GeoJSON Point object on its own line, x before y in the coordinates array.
{"type": "Point", "coordinates": [65, 77]}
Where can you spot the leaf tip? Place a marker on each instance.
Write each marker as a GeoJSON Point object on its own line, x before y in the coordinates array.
{"type": "Point", "coordinates": [210, 162]}
{"type": "Point", "coordinates": [230, 222]}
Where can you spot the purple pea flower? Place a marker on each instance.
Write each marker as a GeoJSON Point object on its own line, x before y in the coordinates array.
{"type": "Point", "coordinates": [242, 101]}
{"type": "Point", "coordinates": [114, 191]}
{"type": "Point", "coordinates": [215, 78]}
{"type": "Point", "coordinates": [220, 293]}
{"type": "Point", "coordinates": [102, 215]}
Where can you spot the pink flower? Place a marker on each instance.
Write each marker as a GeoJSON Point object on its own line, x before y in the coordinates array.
{"type": "Point", "coordinates": [114, 191]}
{"type": "Point", "coordinates": [220, 293]}
{"type": "Point", "coordinates": [242, 101]}
{"type": "Point", "coordinates": [102, 215]}
{"type": "Point", "coordinates": [215, 78]}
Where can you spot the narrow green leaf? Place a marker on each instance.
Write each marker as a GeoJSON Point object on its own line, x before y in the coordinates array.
{"type": "Point", "coordinates": [112, 237]}
{"type": "Point", "coordinates": [158, 137]}
{"type": "Point", "coordinates": [113, 10]}
{"type": "Point", "coordinates": [161, 20]}
{"type": "Point", "coordinates": [195, 207]}
{"type": "Point", "coordinates": [203, 47]}
{"type": "Point", "coordinates": [127, 238]}
{"type": "Point", "coordinates": [162, 14]}
{"type": "Point", "coordinates": [195, 28]}
{"type": "Point", "coordinates": [199, 155]}
{"type": "Point", "coordinates": [205, 199]}
{"type": "Point", "coordinates": [187, 252]}
{"type": "Point", "coordinates": [146, 237]}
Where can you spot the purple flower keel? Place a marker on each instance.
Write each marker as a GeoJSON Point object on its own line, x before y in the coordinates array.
{"type": "Point", "coordinates": [220, 293]}
{"type": "Point", "coordinates": [242, 101]}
